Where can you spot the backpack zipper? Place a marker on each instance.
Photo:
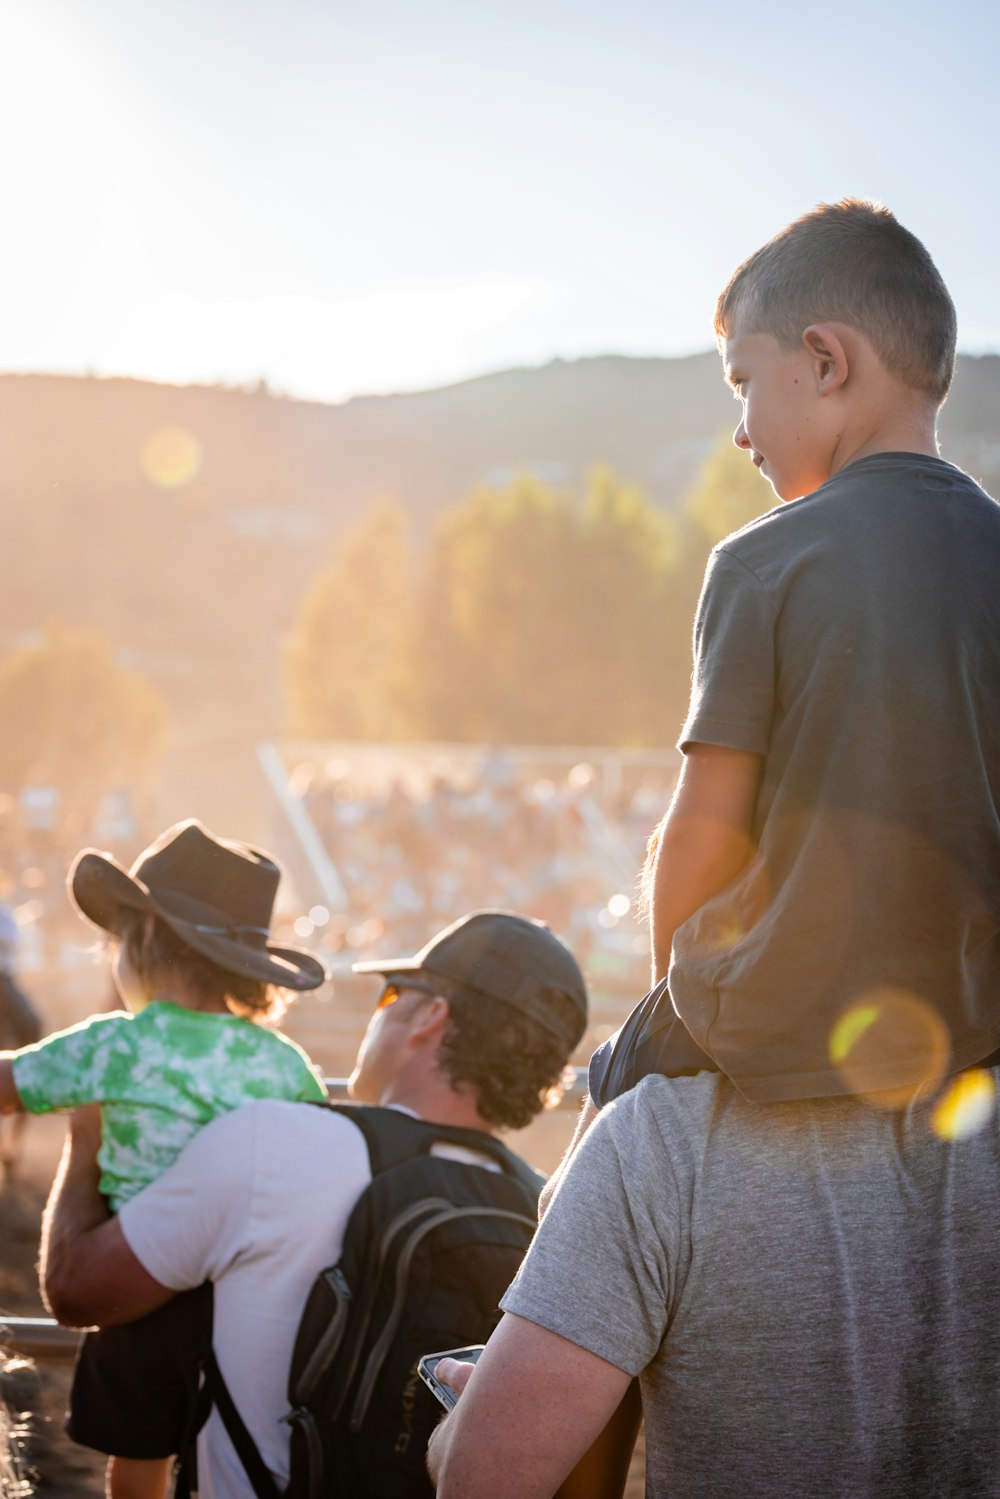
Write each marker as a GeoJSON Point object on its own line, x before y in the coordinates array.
{"type": "Point", "coordinates": [328, 1344]}
{"type": "Point", "coordinates": [383, 1343]}
{"type": "Point", "coordinates": [360, 1333]}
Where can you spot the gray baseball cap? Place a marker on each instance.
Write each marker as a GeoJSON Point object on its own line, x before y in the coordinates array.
{"type": "Point", "coordinates": [509, 958]}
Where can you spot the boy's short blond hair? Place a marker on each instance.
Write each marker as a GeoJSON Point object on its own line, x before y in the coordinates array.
{"type": "Point", "coordinates": [850, 262]}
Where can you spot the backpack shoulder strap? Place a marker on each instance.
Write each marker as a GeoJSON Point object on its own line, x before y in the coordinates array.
{"type": "Point", "coordinates": [257, 1471]}
{"type": "Point", "coordinates": [393, 1137]}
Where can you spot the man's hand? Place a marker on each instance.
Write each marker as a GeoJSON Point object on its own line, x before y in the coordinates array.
{"type": "Point", "coordinates": [88, 1273]}
{"type": "Point", "coordinates": [455, 1373]}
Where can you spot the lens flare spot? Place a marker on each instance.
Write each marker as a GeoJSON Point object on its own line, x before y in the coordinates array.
{"type": "Point", "coordinates": [890, 1047]}
{"type": "Point", "coordinates": [966, 1107]}
{"type": "Point", "coordinates": [171, 458]}
{"type": "Point", "coordinates": [849, 1030]}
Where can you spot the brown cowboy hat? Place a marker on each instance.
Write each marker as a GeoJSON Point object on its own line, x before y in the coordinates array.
{"type": "Point", "coordinates": [216, 895]}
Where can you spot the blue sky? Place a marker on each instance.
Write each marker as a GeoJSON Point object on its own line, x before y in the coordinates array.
{"type": "Point", "coordinates": [399, 193]}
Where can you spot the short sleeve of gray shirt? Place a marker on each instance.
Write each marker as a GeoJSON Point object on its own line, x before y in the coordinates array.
{"type": "Point", "coordinates": [621, 1313]}
{"type": "Point", "coordinates": [732, 689]}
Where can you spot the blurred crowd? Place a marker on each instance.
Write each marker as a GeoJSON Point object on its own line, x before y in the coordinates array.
{"type": "Point", "coordinates": [413, 841]}
{"type": "Point", "coordinates": [415, 847]}
{"type": "Point", "coordinates": [39, 838]}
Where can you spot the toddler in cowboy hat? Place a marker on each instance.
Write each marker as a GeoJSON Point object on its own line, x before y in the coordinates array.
{"type": "Point", "coordinates": [193, 962]}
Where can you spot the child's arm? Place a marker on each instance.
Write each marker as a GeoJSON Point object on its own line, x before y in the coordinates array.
{"type": "Point", "coordinates": [10, 1098]}
{"type": "Point", "coordinates": [703, 841]}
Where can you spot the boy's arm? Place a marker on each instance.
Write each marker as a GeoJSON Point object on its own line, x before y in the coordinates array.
{"type": "Point", "coordinates": [87, 1271]}
{"type": "Point", "coordinates": [10, 1098]}
{"type": "Point", "coordinates": [703, 841]}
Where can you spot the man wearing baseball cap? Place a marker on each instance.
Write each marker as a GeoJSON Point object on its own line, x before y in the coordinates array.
{"type": "Point", "coordinates": [472, 1031]}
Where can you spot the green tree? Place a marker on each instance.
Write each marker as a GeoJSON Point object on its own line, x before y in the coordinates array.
{"type": "Point", "coordinates": [74, 719]}
{"type": "Point", "coordinates": [545, 621]}
{"type": "Point", "coordinates": [727, 493]}
{"type": "Point", "coordinates": [343, 660]}
{"type": "Point", "coordinates": [494, 627]}
{"type": "Point", "coordinates": [532, 617]}
{"type": "Point", "coordinates": [633, 640]}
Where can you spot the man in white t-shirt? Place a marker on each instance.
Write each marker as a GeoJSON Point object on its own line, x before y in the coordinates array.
{"type": "Point", "coordinates": [258, 1202]}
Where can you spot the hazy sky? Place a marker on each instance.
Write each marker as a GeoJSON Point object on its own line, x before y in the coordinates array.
{"type": "Point", "coordinates": [394, 194]}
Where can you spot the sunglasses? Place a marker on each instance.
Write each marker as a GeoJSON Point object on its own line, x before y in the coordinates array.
{"type": "Point", "coordinates": [393, 988]}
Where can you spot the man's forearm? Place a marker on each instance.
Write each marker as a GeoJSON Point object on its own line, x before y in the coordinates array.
{"type": "Point", "coordinates": [74, 1207]}
{"type": "Point", "coordinates": [531, 1412]}
{"type": "Point", "coordinates": [88, 1273]}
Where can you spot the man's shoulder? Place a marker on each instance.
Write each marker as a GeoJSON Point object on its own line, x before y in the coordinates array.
{"type": "Point", "coordinates": [668, 1116]}
{"type": "Point", "coordinates": [292, 1123]}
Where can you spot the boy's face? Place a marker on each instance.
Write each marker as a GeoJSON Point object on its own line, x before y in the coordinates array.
{"type": "Point", "coordinates": [785, 424]}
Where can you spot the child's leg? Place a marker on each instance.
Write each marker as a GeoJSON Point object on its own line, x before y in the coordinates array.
{"type": "Point", "coordinates": [138, 1477]}
{"type": "Point", "coordinates": [135, 1393]}
{"type": "Point", "coordinates": [652, 1040]}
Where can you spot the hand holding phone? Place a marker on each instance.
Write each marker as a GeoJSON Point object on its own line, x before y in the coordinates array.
{"type": "Point", "coordinates": [428, 1364]}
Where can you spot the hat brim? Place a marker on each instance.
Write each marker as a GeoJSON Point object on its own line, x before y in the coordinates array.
{"type": "Point", "coordinates": [388, 965]}
{"type": "Point", "coordinates": [100, 888]}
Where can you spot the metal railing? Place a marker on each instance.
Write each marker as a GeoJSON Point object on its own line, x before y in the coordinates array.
{"type": "Point", "coordinates": [44, 1339]}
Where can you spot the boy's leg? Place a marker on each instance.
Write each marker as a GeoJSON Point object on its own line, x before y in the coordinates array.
{"type": "Point", "coordinates": [653, 1039]}
{"type": "Point", "coordinates": [135, 1387]}
{"type": "Point", "coordinates": [138, 1477]}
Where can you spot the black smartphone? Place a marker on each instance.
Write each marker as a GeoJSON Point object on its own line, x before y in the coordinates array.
{"type": "Point", "coordinates": [430, 1361]}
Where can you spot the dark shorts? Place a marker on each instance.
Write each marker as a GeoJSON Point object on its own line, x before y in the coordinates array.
{"type": "Point", "coordinates": [652, 1039]}
{"type": "Point", "coordinates": [135, 1387]}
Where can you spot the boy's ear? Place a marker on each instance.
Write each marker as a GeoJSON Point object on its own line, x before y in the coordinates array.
{"type": "Point", "coordinates": [829, 355]}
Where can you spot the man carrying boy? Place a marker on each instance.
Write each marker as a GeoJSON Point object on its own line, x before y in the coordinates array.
{"type": "Point", "coordinates": [472, 1031]}
{"type": "Point", "coordinates": [804, 1282]}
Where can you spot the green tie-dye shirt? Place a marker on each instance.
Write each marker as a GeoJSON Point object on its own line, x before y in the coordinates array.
{"type": "Point", "coordinates": [158, 1076]}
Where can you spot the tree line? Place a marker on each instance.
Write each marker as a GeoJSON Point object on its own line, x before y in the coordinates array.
{"type": "Point", "coordinates": [530, 616]}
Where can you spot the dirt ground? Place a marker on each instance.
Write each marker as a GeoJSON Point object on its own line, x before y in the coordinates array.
{"type": "Point", "coordinates": [60, 1469]}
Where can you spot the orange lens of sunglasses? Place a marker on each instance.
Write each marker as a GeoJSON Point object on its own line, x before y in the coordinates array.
{"type": "Point", "coordinates": [393, 988]}
{"type": "Point", "coordinates": [389, 995]}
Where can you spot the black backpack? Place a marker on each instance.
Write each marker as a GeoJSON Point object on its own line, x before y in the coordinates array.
{"type": "Point", "coordinates": [429, 1249]}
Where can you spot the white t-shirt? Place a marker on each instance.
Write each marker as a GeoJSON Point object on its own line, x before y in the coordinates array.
{"type": "Point", "coordinates": [258, 1203]}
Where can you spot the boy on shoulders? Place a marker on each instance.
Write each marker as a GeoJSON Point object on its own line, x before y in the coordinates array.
{"type": "Point", "coordinates": [825, 886]}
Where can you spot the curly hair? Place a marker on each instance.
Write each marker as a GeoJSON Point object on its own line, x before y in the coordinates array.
{"type": "Point", "coordinates": [509, 1059]}
{"type": "Point", "coordinates": [157, 953]}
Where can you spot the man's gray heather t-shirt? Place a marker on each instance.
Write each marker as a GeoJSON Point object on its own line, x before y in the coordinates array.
{"type": "Point", "coordinates": [852, 638]}
{"type": "Point", "coordinates": [810, 1291]}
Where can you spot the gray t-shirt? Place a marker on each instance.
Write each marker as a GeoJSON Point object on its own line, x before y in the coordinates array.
{"type": "Point", "coordinates": [810, 1291]}
{"type": "Point", "coordinates": [853, 639]}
